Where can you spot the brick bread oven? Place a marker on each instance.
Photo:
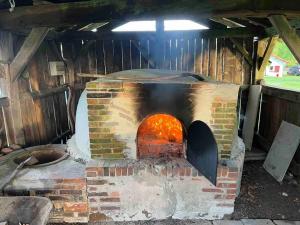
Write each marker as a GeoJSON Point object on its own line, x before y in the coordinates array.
{"type": "Point", "coordinates": [163, 145]}
{"type": "Point", "coordinates": [116, 109]}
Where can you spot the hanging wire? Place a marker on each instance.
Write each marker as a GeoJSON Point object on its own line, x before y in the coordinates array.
{"type": "Point", "coordinates": [12, 5]}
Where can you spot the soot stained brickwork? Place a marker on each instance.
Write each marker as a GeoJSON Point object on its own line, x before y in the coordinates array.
{"type": "Point", "coordinates": [116, 109]}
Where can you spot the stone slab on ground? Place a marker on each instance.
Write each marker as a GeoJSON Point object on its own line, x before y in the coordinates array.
{"type": "Point", "coordinates": [194, 222]}
{"type": "Point", "coordinates": [282, 150]}
{"type": "Point", "coordinates": [28, 210]}
{"type": "Point", "coordinates": [227, 222]}
{"type": "Point", "coordinates": [257, 222]}
{"type": "Point", "coordinates": [283, 222]}
{"type": "Point", "coordinates": [159, 222]}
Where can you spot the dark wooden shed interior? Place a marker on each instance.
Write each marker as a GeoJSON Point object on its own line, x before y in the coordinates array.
{"type": "Point", "coordinates": [38, 108]}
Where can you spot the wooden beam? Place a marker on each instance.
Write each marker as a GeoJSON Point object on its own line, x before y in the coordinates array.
{"type": "Point", "coordinates": [243, 51]}
{"type": "Point", "coordinates": [289, 95]}
{"type": "Point", "coordinates": [47, 93]}
{"type": "Point", "coordinates": [84, 12]}
{"type": "Point", "coordinates": [91, 75]}
{"type": "Point", "coordinates": [144, 53]}
{"type": "Point", "coordinates": [265, 49]}
{"type": "Point", "coordinates": [294, 23]}
{"type": "Point", "coordinates": [28, 49]}
{"type": "Point", "coordinates": [227, 22]}
{"type": "Point", "coordinates": [254, 22]}
{"type": "Point", "coordinates": [287, 33]}
{"type": "Point", "coordinates": [214, 33]}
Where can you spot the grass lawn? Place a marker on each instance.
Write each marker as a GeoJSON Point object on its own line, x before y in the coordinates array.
{"type": "Point", "coordinates": [285, 82]}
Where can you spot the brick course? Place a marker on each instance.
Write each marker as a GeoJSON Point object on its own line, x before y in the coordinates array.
{"type": "Point", "coordinates": [68, 196]}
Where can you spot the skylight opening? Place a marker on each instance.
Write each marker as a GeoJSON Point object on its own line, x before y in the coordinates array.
{"type": "Point", "coordinates": [169, 25]}
{"type": "Point", "coordinates": [135, 26]}
{"type": "Point", "coordinates": [173, 25]}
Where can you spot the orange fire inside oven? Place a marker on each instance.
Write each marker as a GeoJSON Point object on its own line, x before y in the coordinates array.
{"type": "Point", "coordinates": [160, 135]}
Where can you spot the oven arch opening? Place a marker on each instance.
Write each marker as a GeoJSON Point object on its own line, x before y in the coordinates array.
{"type": "Point", "coordinates": [160, 135]}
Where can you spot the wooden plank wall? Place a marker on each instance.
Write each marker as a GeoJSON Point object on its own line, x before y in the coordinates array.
{"type": "Point", "coordinates": [45, 118]}
{"type": "Point", "coordinates": [216, 58]}
{"type": "Point", "coordinates": [277, 105]}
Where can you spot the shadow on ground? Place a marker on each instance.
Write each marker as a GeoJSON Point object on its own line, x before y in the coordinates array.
{"type": "Point", "coordinates": [262, 197]}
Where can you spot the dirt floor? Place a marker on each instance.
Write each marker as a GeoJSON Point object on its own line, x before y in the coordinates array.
{"type": "Point", "coordinates": [261, 197]}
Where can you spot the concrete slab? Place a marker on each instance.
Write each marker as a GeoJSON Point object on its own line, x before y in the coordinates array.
{"type": "Point", "coordinates": [227, 222]}
{"type": "Point", "coordinates": [282, 150]}
{"type": "Point", "coordinates": [257, 222]}
{"type": "Point", "coordinates": [284, 222]}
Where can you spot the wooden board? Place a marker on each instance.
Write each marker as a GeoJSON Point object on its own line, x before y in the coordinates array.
{"type": "Point", "coordinates": [251, 115]}
{"type": "Point", "coordinates": [282, 150]}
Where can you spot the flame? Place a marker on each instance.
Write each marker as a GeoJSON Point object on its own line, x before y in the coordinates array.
{"type": "Point", "coordinates": [161, 128]}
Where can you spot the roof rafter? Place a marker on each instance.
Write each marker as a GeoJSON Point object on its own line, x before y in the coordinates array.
{"type": "Point", "coordinates": [84, 12]}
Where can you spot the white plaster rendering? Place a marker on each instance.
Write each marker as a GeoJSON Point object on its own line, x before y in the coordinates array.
{"type": "Point", "coordinates": [127, 129]}
{"type": "Point", "coordinates": [159, 197]}
{"type": "Point", "coordinates": [79, 145]}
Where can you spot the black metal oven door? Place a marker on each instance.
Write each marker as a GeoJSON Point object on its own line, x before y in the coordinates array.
{"type": "Point", "coordinates": [202, 150]}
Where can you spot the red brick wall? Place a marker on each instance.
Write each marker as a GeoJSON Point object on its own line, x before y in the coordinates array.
{"type": "Point", "coordinates": [68, 196]}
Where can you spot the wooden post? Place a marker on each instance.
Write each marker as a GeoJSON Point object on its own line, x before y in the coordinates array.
{"type": "Point", "coordinates": [264, 51]}
{"type": "Point", "coordinates": [243, 51]}
{"type": "Point", "coordinates": [13, 111]}
{"type": "Point", "coordinates": [158, 54]}
{"type": "Point", "coordinates": [287, 33]}
{"type": "Point", "coordinates": [70, 61]}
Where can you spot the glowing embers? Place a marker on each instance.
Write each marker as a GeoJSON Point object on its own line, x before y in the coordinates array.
{"type": "Point", "coordinates": [160, 135]}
